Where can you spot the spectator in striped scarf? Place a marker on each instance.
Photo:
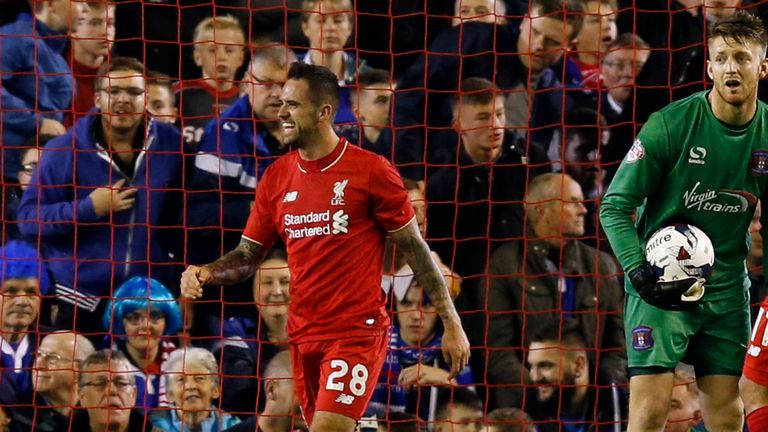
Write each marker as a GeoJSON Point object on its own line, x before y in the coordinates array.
{"type": "Point", "coordinates": [414, 363]}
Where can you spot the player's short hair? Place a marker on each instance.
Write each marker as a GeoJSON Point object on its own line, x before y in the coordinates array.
{"type": "Point", "coordinates": [211, 24]}
{"type": "Point", "coordinates": [453, 396]}
{"type": "Point", "coordinates": [372, 76]}
{"type": "Point", "coordinates": [510, 420]}
{"type": "Point", "coordinates": [105, 357]}
{"type": "Point", "coordinates": [119, 63]}
{"type": "Point", "coordinates": [401, 422]}
{"type": "Point", "coordinates": [309, 7]}
{"type": "Point", "coordinates": [569, 11]}
{"type": "Point", "coordinates": [741, 27]}
{"type": "Point", "coordinates": [565, 333]}
{"type": "Point", "coordinates": [323, 82]}
{"type": "Point", "coordinates": [475, 91]}
{"type": "Point", "coordinates": [277, 54]}
{"type": "Point", "coordinates": [628, 41]}
{"type": "Point", "coordinates": [189, 355]}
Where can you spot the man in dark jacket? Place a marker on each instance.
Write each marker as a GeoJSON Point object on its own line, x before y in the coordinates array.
{"type": "Point", "coordinates": [478, 204]}
{"type": "Point", "coordinates": [563, 388]}
{"type": "Point", "coordinates": [547, 275]}
{"type": "Point", "coordinates": [517, 60]}
{"type": "Point", "coordinates": [104, 200]}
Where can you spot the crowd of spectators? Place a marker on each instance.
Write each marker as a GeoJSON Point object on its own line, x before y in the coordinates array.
{"type": "Point", "coordinates": [131, 149]}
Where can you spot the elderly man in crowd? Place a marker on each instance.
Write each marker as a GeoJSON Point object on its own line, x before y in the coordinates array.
{"type": "Point", "coordinates": [54, 377]}
{"type": "Point", "coordinates": [107, 394]}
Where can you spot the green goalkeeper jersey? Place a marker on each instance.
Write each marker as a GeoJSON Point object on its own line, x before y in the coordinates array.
{"type": "Point", "coordinates": [686, 166]}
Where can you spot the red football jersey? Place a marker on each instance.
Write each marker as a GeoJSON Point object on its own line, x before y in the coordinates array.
{"type": "Point", "coordinates": [333, 215]}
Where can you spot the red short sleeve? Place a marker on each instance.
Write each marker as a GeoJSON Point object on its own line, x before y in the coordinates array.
{"type": "Point", "coordinates": [391, 206]}
{"type": "Point", "coordinates": [261, 227]}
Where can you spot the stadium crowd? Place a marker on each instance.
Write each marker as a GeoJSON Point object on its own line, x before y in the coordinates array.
{"type": "Point", "coordinates": [134, 135]}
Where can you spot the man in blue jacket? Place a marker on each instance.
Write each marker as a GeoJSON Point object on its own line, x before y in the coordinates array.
{"type": "Point", "coordinates": [105, 198]}
{"type": "Point", "coordinates": [235, 150]}
{"type": "Point", "coordinates": [37, 84]}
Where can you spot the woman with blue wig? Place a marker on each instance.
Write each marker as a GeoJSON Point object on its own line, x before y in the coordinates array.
{"type": "Point", "coordinates": [140, 318]}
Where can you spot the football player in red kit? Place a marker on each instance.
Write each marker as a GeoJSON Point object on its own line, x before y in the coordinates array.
{"type": "Point", "coordinates": [332, 203]}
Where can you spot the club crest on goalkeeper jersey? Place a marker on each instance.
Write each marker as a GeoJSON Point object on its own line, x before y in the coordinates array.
{"type": "Point", "coordinates": [333, 215]}
{"type": "Point", "coordinates": [693, 169]}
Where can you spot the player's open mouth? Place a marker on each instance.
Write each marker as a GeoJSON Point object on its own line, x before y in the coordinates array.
{"type": "Point", "coordinates": [732, 83]}
{"type": "Point", "coordinates": [607, 39]}
{"type": "Point", "coordinates": [287, 125]}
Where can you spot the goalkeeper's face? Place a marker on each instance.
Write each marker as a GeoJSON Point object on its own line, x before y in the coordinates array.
{"type": "Point", "coordinates": [735, 68]}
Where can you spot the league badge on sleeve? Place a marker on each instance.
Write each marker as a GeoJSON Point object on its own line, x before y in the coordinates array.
{"type": "Point", "coordinates": [642, 338]}
{"type": "Point", "coordinates": [636, 152]}
{"type": "Point", "coordinates": [758, 164]}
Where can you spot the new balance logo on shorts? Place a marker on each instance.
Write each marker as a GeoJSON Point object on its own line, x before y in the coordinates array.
{"type": "Point", "coordinates": [345, 399]}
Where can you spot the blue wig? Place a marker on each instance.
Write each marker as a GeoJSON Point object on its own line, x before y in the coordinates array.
{"type": "Point", "coordinates": [141, 293]}
{"type": "Point", "coordinates": [21, 261]}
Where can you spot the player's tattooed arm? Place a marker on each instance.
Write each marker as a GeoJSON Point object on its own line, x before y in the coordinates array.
{"type": "Point", "coordinates": [425, 270]}
{"type": "Point", "coordinates": [238, 264]}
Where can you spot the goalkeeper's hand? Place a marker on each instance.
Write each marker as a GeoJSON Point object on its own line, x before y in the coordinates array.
{"type": "Point", "coordinates": [681, 294]}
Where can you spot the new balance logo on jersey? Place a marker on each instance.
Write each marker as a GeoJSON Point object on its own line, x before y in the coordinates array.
{"type": "Point", "coordinates": [345, 399]}
{"type": "Point", "coordinates": [340, 222]}
{"type": "Point", "coordinates": [338, 192]}
{"type": "Point", "coordinates": [290, 196]}
{"type": "Point", "coordinates": [696, 155]}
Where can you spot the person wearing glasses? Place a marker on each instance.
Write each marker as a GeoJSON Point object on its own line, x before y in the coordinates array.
{"type": "Point", "coordinates": [107, 393]}
{"type": "Point", "coordinates": [140, 319]}
{"type": "Point", "coordinates": [54, 376]}
{"type": "Point", "coordinates": [234, 151]}
{"type": "Point", "coordinates": [104, 200]}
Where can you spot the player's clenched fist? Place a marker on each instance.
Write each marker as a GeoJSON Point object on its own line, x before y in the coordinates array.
{"type": "Point", "coordinates": [192, 281]}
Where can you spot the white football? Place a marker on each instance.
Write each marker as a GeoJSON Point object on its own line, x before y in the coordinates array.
{"type": "Point", "coordinates": [680, 251]}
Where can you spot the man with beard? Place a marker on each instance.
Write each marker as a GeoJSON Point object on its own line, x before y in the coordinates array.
{"type": "Point", "coordinates": [549, 273]}
{"type": "Point", "coordinates": [24, 280]}
{"type": "Point", "coordinates": [565, 391]}
{"type": "Point", "coordinates": [104, 200]}
{"type": "Point", "coordinates": [54, 377]}
{"type": "Point", "coordinates": [235, 150]}
{"type": "Point", "coordinates": [337, 323]}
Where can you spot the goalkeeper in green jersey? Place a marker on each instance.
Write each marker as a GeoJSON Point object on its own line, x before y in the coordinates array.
{"type": "Point", "coordinates": [703, 161]}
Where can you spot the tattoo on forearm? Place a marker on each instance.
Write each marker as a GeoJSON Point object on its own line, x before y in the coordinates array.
{"type": "Point", "coordinates": [417, 254]}
{"type": "Point", "coordinates": [238, 264]}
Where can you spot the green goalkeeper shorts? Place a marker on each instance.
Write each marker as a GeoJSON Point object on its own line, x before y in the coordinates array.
{"type": "Point", "coordinates": [712, 337]}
